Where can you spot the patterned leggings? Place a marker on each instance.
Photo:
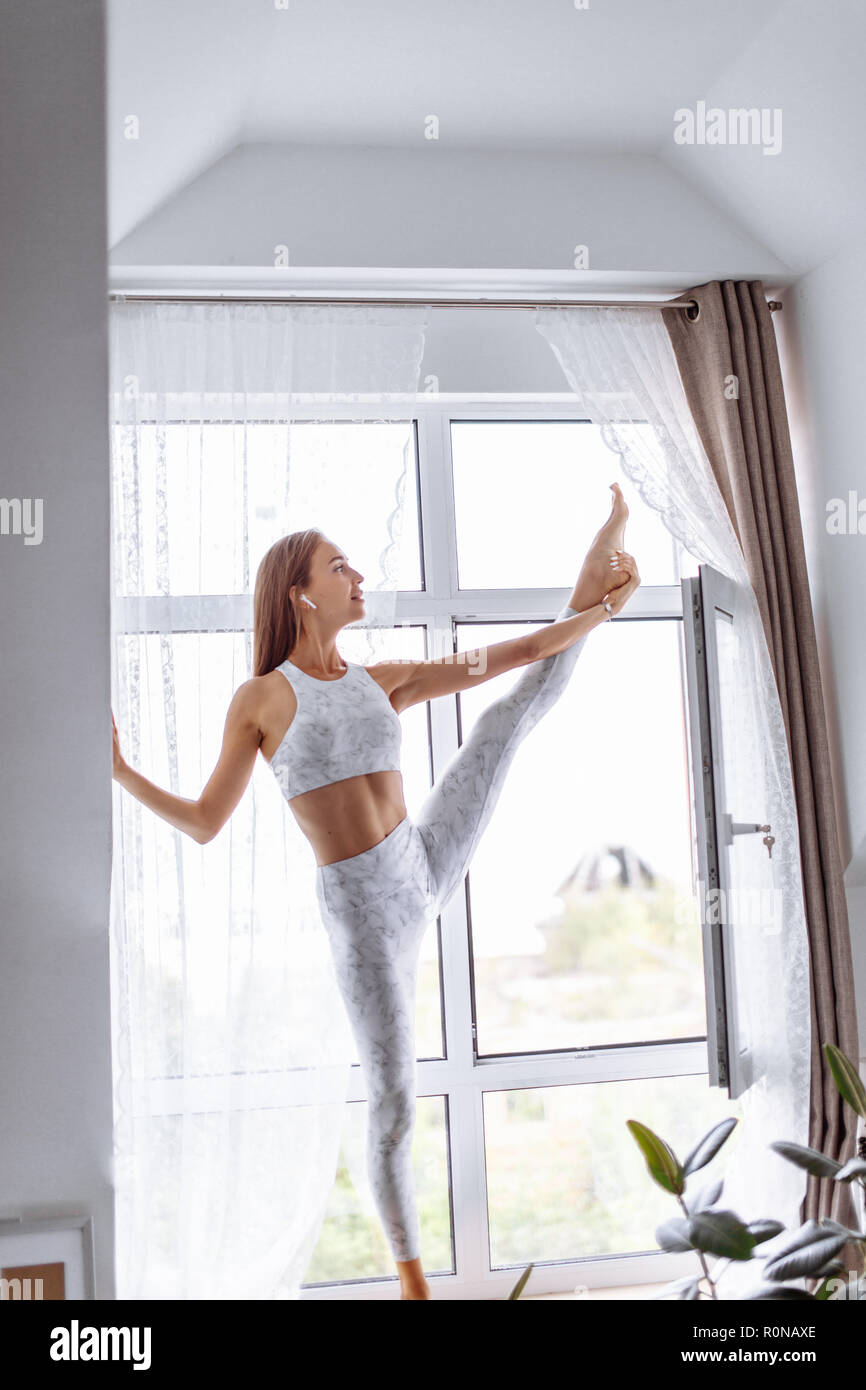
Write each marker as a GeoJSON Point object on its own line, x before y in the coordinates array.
{"type": "Point", "coordinates": [377, 905]}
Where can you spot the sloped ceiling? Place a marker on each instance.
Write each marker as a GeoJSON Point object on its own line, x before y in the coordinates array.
{"type": "Point", "coordinates": [204, 77]}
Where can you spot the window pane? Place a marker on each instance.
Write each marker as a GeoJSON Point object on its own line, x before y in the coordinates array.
{"type": "Point", "coordinates": [529, 496]}
{"type": "Point", "coordinates": [585, 929]}
{"type": "Point", "coordinates": [352, 1244]}
{"type": "Point", "coordinates": [172, 908]}
{"type": "Point", "coordinates": [214, 496]}
{"type": "Point", "coordinates": [345, 478]}
{"type": "Point", "coordinates": [565, 1177]}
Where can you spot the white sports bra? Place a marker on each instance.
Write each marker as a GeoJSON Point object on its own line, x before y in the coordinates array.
{"type": "Point", "coordinates": [341, 728]}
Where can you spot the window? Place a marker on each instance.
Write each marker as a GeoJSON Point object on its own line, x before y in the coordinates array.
{"type": "Point", "coordinates": [562, 992]}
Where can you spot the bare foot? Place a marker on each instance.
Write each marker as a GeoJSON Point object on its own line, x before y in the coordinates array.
{"type": "Point", "coordinates": [598, 574]}
{"type": "Point", "coordinates": [417, 1294]}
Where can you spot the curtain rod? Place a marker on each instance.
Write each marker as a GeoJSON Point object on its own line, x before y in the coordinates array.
{"type": "Point", "coordinates": [687, 304]}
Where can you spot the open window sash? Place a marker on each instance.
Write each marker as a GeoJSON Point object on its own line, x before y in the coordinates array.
{"type": "Point", "coordinates": [730, 840]}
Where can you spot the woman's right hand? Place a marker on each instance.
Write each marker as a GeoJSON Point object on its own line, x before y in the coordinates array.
{"type": "Point", "coordinates": [119, 762]}
{"type": "Point", "coordinates": [619, 597]}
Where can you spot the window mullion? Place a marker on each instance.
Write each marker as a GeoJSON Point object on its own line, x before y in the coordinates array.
{"type": "Point", "coordinates": [466, 1144]}
{"type": "Point", "coordinates": [437, 505]}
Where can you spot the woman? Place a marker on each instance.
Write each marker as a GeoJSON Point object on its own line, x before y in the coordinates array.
{"type": "Point", "coordinates": [330, 731]}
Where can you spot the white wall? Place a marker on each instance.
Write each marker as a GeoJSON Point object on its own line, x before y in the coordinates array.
{"type": "Point", "coordinates": [55, 739]}
{"type": "Point", "coordinates": [356, 206]}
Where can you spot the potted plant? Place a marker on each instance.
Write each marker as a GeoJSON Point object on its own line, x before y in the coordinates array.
{"type": "Point", "coordinates": [812, 1250]}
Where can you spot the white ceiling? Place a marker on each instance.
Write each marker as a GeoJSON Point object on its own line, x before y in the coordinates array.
{"type": "Point", "coordinates": [205, 76]}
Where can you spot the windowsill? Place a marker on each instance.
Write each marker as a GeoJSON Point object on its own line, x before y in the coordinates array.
{"type": "Point", "coordinates": [615, 1292]}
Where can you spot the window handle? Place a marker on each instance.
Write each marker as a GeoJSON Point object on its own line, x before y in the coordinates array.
{"type": "Point", "coordinates": [737, 827]}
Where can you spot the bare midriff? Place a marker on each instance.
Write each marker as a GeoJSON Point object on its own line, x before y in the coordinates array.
{"type": "Point", "coordinates": [346, 817]}
{"type": "Point", "coordinates": [352, 815]}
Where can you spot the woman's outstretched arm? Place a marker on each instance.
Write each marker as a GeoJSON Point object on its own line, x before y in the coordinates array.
{"type": "Point", "coordinates": [204, 817]}
{"type": "Point", "coordinates": [411, 682]}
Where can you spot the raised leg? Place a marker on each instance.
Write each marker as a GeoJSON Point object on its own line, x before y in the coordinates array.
{"type": "Point", "coordinates": [457, 809]}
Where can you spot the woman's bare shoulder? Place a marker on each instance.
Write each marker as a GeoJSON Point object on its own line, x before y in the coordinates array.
{"type": "Point", "coordinates": [272, 704]}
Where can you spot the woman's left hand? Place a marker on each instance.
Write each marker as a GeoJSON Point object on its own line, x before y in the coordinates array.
{"type": "Point", "coordinates": [619, 568]}
{"type": "Point", "coordinates": [622, 591]}
{"type": "Point", "coordinates": [119, 762]}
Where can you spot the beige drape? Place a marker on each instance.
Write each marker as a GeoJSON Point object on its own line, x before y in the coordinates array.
{"type": "Point", "coordinates": [729, 364]}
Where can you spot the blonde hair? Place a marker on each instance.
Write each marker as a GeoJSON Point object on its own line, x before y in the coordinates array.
{"type": "Point", "coordinates": [276, 623]}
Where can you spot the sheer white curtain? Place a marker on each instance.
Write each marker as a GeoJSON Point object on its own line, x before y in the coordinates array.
{"type": "Point", "coordinates": [230, 1043]}
{"type": "Point", "coordinates": [622, 369]}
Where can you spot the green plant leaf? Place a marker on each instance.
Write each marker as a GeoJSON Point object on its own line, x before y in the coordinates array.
{"type": "Point", "coordinates": [847, 1078]}
{"type": "Point", "coordinates": [765, 1230]}
{"type": "Point", "coordinates": [674, 1234]}
{"type": "Point", "coordinates": [709, 1146]}
{"type": "Point", "coordinates": [815, 1241]}
{"type": "Point", "coordinates": [828, 1224]}
{"type": "Point", "coordinates": [807, 1234]}
{"type": "Point", "coordinates": [810, 1159]}
{"type": "Point", "coordinates": [521, 1283]}
{"type": "Point", "coordinates": [663, 1164]}
{"type": "Point", "coordinates": [721, 1233]}
{"type": "Point", "coordinates": [807, 1260]}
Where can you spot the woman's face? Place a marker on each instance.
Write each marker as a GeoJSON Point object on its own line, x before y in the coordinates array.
{"type": "Point", "coordinates": [334, 587]}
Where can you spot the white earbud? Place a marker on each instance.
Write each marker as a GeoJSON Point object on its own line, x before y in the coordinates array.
{"type": "Point", "coordinates": [309, 601]}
